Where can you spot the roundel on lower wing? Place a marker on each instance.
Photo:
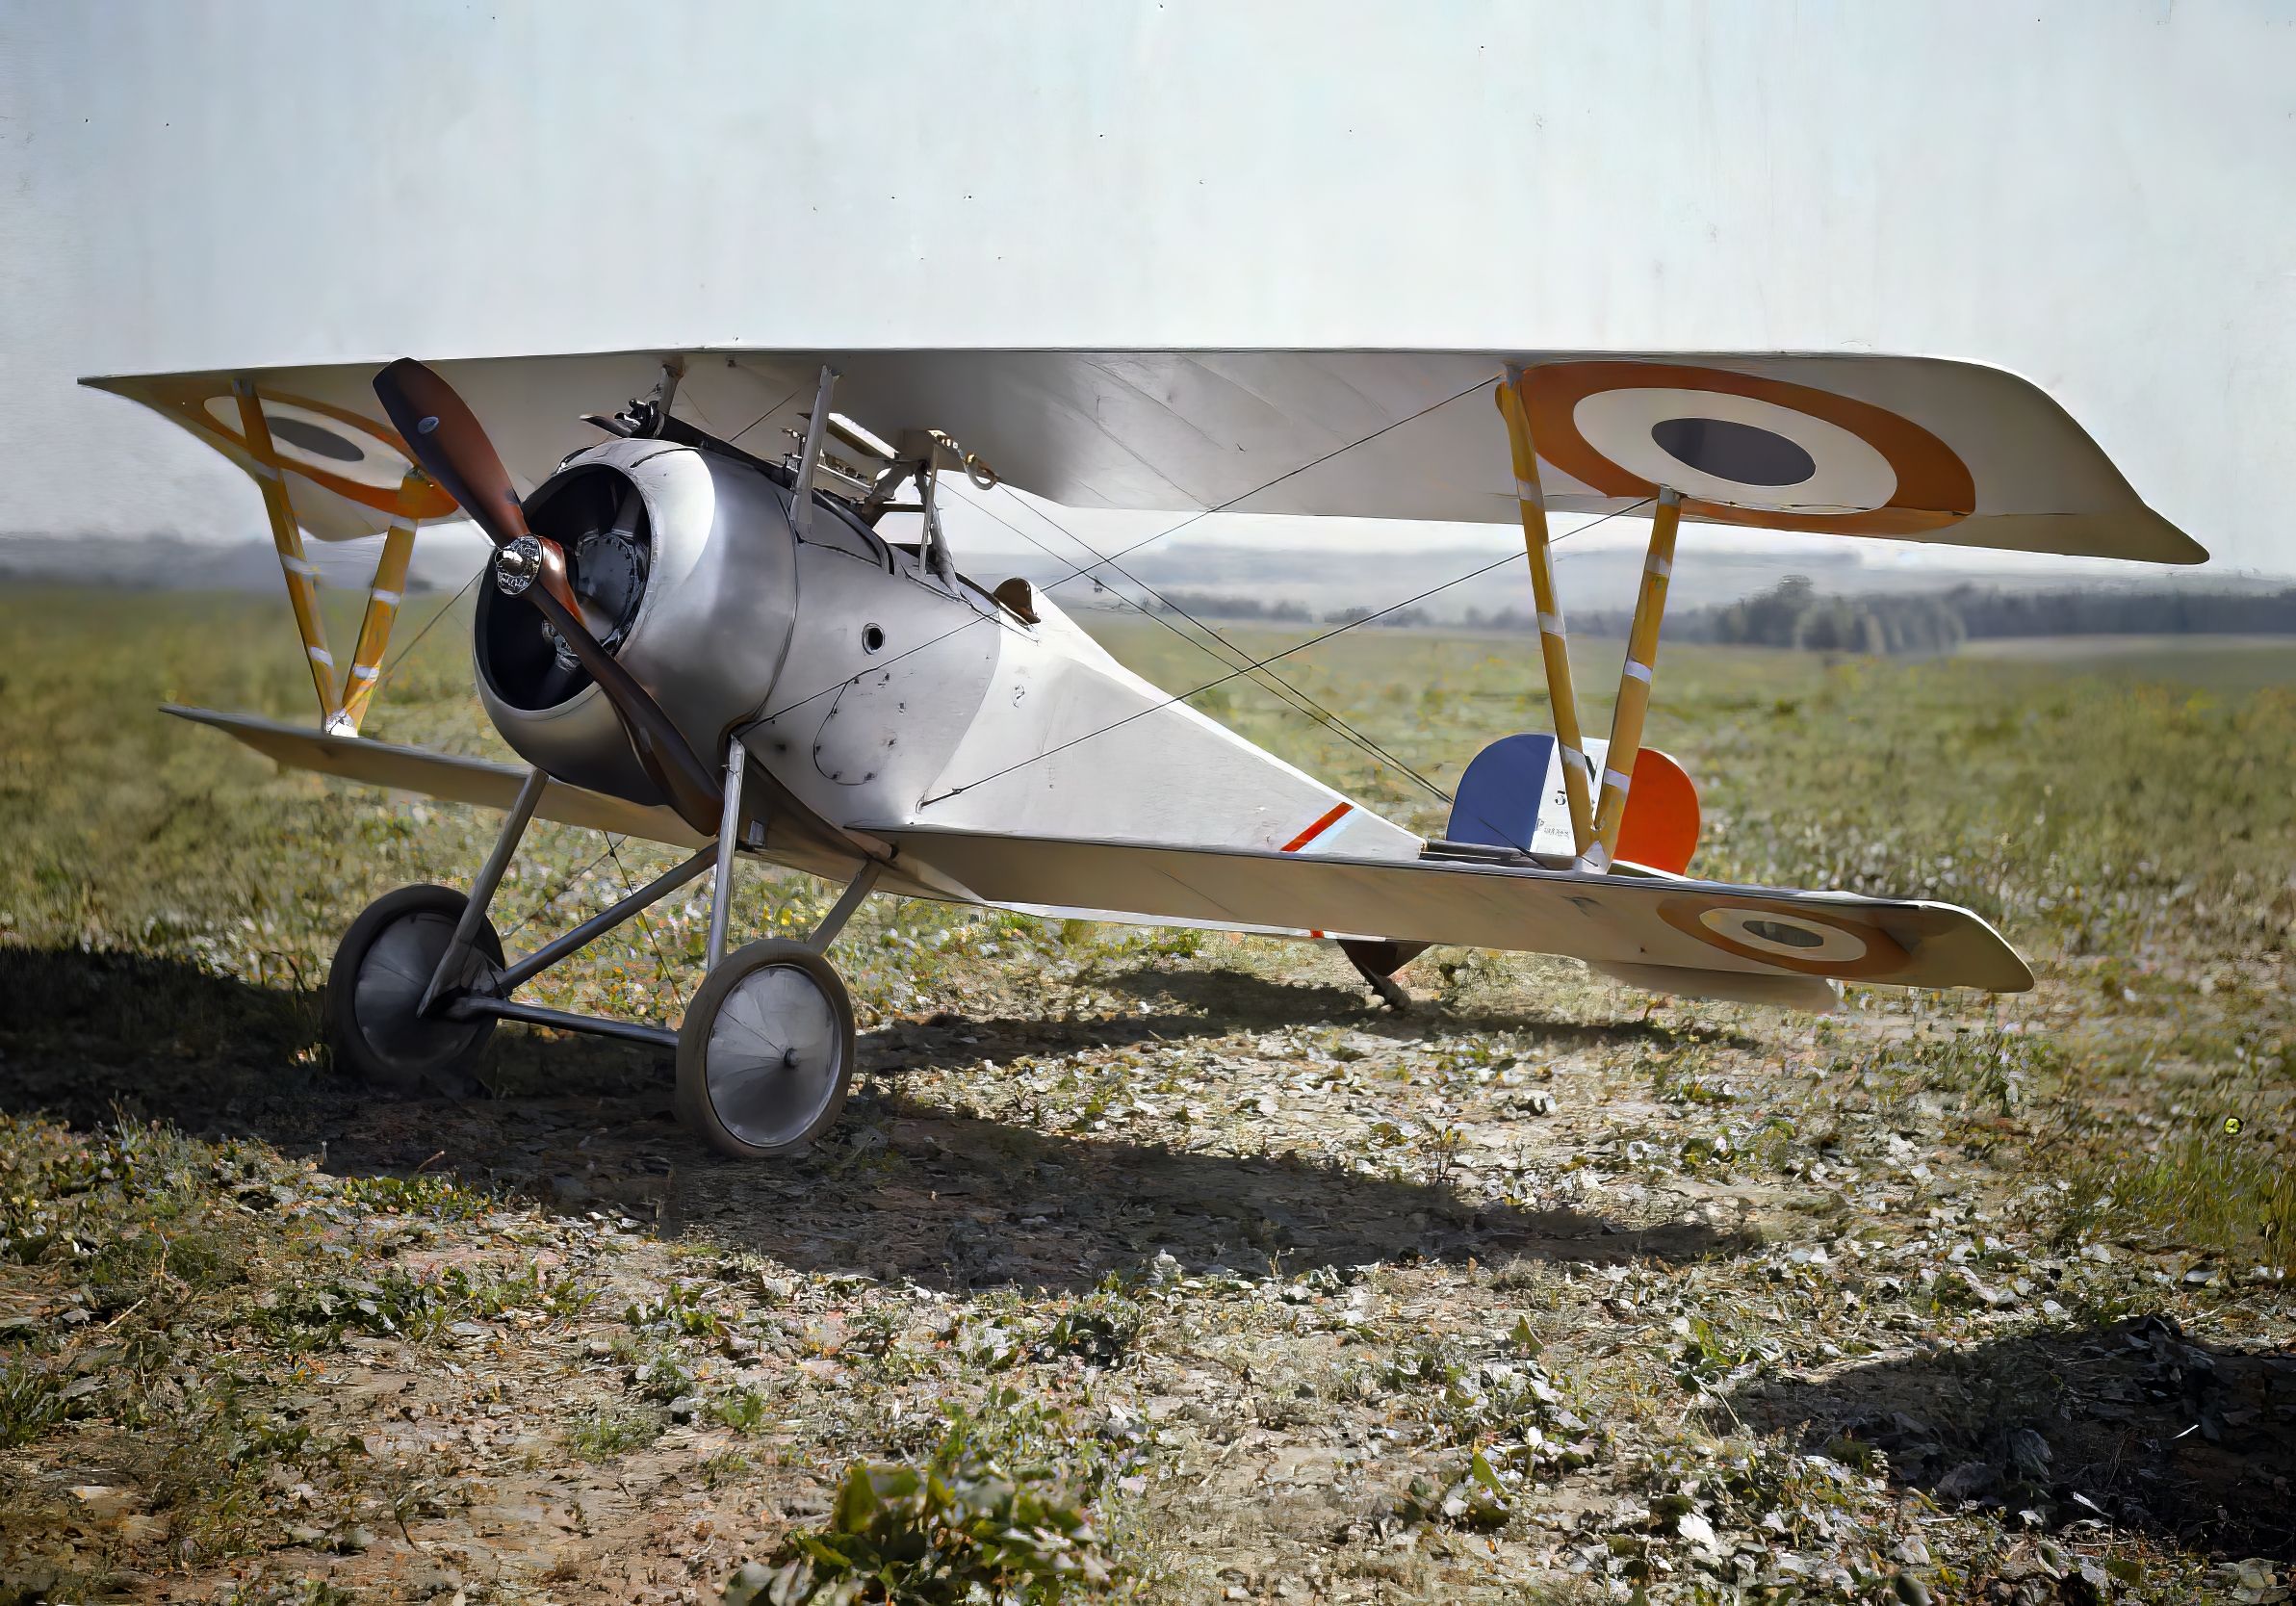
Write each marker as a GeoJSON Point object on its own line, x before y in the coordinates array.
{"type": "Point", "coordinates": [1745, 450]}
{"type": "Point", "coordinates": [1800, 940]}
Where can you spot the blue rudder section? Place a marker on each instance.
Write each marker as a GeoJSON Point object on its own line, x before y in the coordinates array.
{"type": "Point", "coordinates": [1498, 798]}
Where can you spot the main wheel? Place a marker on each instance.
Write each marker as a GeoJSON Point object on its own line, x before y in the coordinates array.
{"type": "Point", "coordinates": [382, 968]}
{"type": "Point", "coordinates": [765, 1054]}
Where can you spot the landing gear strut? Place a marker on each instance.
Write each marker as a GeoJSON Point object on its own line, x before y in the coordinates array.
{"type": "Point", "coordinates": [765, 1054]}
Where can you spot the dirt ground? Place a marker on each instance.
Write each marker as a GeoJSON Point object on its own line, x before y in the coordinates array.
{"type": "Point", "coordinates": [1546, 1289]}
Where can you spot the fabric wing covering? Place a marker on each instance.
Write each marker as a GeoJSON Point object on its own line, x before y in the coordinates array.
{"type": "Point", "coordinates": [1911, 447]}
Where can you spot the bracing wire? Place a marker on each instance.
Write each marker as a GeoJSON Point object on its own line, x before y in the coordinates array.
{"type": "Point", "coordinates": [1337, 629]}
{"type": "Point", "coordinates": [1299, 701]}
{"type": "Point", "coordinates": [1076, 569]}
{"type": "Point", "coordinates": [559, 891]}
{"type": "Point", "coordinates": [661, 961]}
{"type": "Point", "coordinates": [735, 438]}
{"type": "Point", "coordinates": [401, 657]}
{"type": "Point", "coordinates": [1287, 474]}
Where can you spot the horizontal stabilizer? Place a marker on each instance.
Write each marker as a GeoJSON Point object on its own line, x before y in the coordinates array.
{"type": "Point", "coordinates": [1613, 920]}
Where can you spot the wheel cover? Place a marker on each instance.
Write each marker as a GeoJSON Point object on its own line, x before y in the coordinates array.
{"type": "Point", "coordinates": [774, 1055]}
{"type": "Point", "coordinates": [394, 973]}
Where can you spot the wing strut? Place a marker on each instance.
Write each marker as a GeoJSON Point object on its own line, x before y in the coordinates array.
{"type": "Point", "coordinates": [1633, 684]}
{"type": "Point", "coordinates": [1552, 645]}
{"type": "Point", "coordinates": [1593, 825]}
{"type": "Point", "coordinates": [302, 580]}
{"type": "Point", "coordinates": [384, 594]}
{"type": "Point", "coordinates": [341, 705]}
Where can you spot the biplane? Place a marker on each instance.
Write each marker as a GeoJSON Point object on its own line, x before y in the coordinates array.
{"type": "Point", "coordinates": [774, 654]}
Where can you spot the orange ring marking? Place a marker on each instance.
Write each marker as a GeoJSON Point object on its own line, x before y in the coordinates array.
{"type": "Point", "coordinates": [1934, 489]}
{"type": "Point", "coordinates": [1883, 953]}
{"type": "Point", "coordinates": [186, 401]}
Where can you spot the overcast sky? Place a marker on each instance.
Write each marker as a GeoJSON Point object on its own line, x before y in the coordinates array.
{"type": "Point", "coordinates": [2100, 197]}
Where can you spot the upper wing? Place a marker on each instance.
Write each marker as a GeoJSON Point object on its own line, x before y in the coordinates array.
{"type": "Point", "coordinates": [1914, 448]}
{"type": "Point", "coordinates": [1606, 920]}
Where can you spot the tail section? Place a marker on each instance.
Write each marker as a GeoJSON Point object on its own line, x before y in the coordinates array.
{"type": "Point", "coordinates": [1512, 797]}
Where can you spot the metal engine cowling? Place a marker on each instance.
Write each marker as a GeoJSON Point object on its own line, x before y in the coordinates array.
{"type": "Point", "coordinates": [685, 566]}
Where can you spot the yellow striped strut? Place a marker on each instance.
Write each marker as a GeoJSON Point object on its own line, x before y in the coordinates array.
{"type": "Point", "coordinates": [302, 580]}
{"type": "Point", "coordinates": [1553, 647]}
{"type": "Point", "coordinates": [1633, 684]}
{"type": "Point", "coordinates": [383, 600]}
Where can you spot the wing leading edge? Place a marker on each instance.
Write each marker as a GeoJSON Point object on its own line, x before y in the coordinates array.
{"type": "Point", "coordinates": [445, 776]}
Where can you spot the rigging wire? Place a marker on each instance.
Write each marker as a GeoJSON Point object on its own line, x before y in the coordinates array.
{"type": "Point", "coordinates": [401, 657]}
{"type": "Point", "coordinates": [535, 914]}
{"type": "Point", "coordinates": [662, 964]}
{"type": "Point", "coordinates": [735, 440]}
{"type": "Point", "coordinates": [1287, 474]}
{"type": "Point", "coordinates": [1299, 701]}
{"type": "Point", "coordinates": [1339, 629]}
{"type": "Point", "coordinates": [1076, 569]}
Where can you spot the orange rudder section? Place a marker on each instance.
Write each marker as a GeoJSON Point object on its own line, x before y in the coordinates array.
{"type": "Point", "coordinates": [1661, 827]}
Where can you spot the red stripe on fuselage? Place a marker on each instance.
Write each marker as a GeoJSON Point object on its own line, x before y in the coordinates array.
{"type": "Point", "coordinates": [1318, 828]}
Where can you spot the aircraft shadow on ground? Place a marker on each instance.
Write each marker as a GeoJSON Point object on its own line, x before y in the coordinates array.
{"type": "Point", "coordinates": [2133, 1426]}
{"type": "Point", "coordinates": [906, 1188]}
{"type": "Point", "coordinates": [1234, 998]}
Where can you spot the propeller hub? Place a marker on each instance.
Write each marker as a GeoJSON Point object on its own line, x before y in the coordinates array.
{"type": "Point", "coordinates": [517, 565]}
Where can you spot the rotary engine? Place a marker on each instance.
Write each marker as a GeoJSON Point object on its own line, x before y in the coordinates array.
{"type": "Point", "coordinates": [685, 565]}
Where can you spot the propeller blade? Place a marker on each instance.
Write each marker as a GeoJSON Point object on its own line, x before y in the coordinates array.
{"type": "Point", "coordinates": [446, 437]}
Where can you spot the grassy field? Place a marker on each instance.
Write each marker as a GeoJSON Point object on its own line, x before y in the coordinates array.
{"type": "Point", "coordinates": [1186, 1271]}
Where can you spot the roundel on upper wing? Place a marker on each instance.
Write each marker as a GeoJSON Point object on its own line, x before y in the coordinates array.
{"type": "Point", "coordinates": [330, 446]}
{"type": "Point", "coordinates": [1802, 940]}
{"type": "Point", "coordinates": [1745, 450]}
{"type": "Point", "coordinates": [336, 449]}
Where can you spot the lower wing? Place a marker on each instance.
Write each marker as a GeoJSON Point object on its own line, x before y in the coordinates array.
{"type": "Point", "coordinates": [1631, 923]}
{"type": "Point", "coordinates": [441, 775]}
{"type": "Point", "coordinates": [1647, 929]}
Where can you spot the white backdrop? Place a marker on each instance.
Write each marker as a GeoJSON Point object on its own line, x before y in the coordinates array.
{"type": "Point", "coordinates": [2098, 196]}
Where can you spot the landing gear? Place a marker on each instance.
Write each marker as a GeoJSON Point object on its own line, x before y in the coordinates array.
{"type": "Point", "coordinates": [383, 971]}
{"type": "Point", "coordinates": [765, 1054]}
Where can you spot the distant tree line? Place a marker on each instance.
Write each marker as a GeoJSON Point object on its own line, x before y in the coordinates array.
{"type": "Point", "coordinates": [2157, 612]}
{"type": "Point", "coordinates": [1216, 604]}
{"type": "Point", "coordinates": [1795, 613]}
{"type": "Point", "coordinates": [1792, 613]}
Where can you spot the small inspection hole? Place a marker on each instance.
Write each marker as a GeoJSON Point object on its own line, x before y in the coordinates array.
{"type": "Point", "coordinates": [872, 637]}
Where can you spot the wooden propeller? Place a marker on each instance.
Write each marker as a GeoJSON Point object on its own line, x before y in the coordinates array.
{"type": "Point", "coordinates": [445, 437]}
